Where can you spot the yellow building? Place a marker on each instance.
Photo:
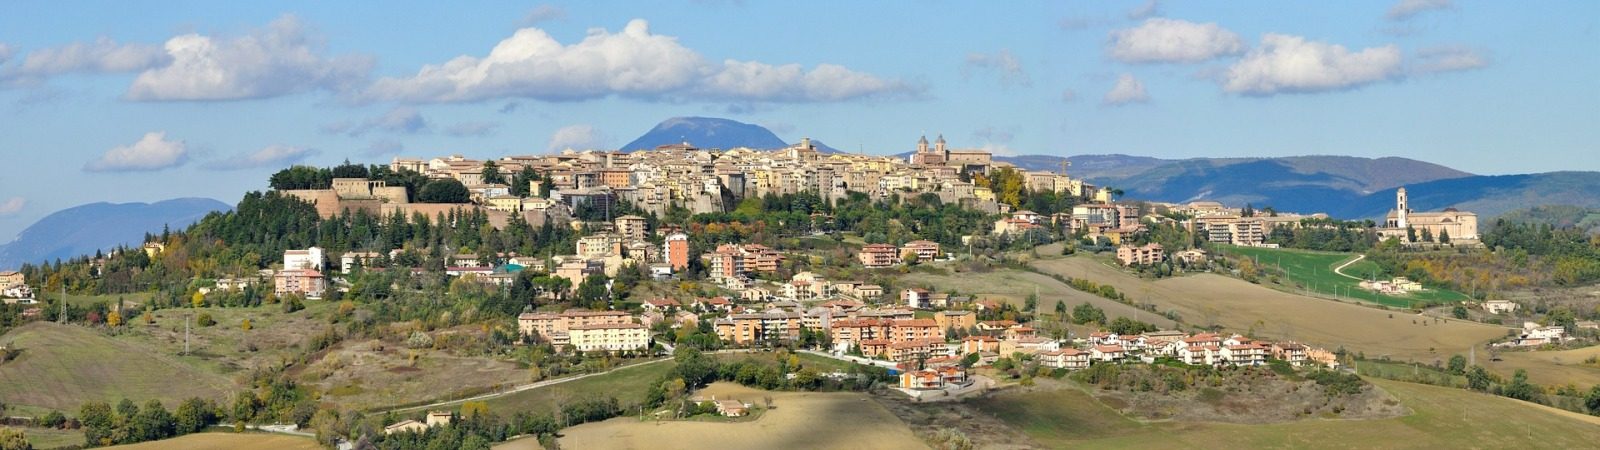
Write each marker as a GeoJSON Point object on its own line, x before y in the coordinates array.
{"type": "Point", "coordinates": [609, 337]}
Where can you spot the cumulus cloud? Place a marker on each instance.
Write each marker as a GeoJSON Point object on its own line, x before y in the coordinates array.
{"type": "Point", "coordinates": [1161, 40]}
{"type": "Point", "coordinates": [383, 147]}
{"type": "Point", "coordinates": [473, 129]}
{"type": "Point", "coordinates": [633, 63]}
{"type": "Point", "coordinates": [578, 137]}
{"type": "Point", "coordinates": [1292, 64]}
{"type": "Point", "coordinates": [271, 156]}
{"type": "Point", "coordinates": [152, 152]}
{"type": "Point", "coordinates": [1011, 72]}
{"type": "Point", "coordinates": [1150, 8]}
{"type": "Point", "coordinates": [544, 13]}
{"type": "Point", "coordinates": [400, 119]}
{"type": "Point", "coordinates": [1448, 59]}
{"type": "Point", "coordinates": [101, 56]}
{"type": "Point", "coordinates": [283, 58]}
{"type": "Point", "coordinates": [1406, 9]}
{"type": "Point", "coordinates": [12, 206]}
{"type": "Point", "coordinates": [1127, 90]}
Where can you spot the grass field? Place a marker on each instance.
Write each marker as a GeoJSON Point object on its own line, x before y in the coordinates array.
{"type": "Point", "coordinates": [1440, 418]}
{"type": "Point", "coordinates": [1014, 286]}
{"type": "Point", "coordinates": [1315, 272]}
{"type": "Point", "coordinates": [227, 348]}
{"type": "Point", "coordinates": [109, 299]}
{"type": "Point", "coordinates": [63, 366]}
{"type": "Point", "coordinates": [226, 441]}
{"type": "Point", "coordinates": [47, 438]}
{"type": "Point", "coordinates": [367, 374]}
{"type": "Point", "coordinates": [1549, 367]}
{"type": "Point", "coordinates": [628, 385]}
{"type": "Point", "coordinates": [1239, 306]}
{"type": "Point", "coordinates": [813, 420]}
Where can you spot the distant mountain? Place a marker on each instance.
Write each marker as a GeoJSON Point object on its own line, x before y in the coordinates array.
{"type": "Point", "coordinates": [81, 230]}
{"type": "Point", "coordinates": [706, 132]}
{"type": "Point", "coordinates": [1488, 196]}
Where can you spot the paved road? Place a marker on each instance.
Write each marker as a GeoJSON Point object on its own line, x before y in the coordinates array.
{"type": "Point", "coordinates": [1340, 270]}
{"type": "Point", "coordinates": [854, 359]}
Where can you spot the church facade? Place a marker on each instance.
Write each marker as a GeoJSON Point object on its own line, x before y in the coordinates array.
{"type": "Point", "coordinates": [966, 160]}
{"type": "Point", "coordinates": [1458, 225]}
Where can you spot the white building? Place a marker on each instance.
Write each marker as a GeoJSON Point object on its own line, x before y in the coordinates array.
{"type": "Point", "coordinates": [308, 259]}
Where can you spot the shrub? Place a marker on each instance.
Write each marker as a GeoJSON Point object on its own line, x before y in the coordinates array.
{"type": "Point", "coordinates": [205, 320]}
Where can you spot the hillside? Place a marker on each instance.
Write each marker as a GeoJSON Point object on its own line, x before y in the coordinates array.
{"type": "Point", "coordinates": [81, 230]}
{"type": "Point", "coordinates": [706, 132]}
{"type": "Point", "coordinates": [62, 366]}
{"type": "Point", "coordinates": [1488, 196]}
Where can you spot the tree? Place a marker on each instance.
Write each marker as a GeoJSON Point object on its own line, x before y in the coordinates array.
{"type": "Point", "coordinates": [1086, 313]}
{"type": "Point", "coordinates": [446, 190]}
{"type": "Point", "coordinates": [114, 319]}
{"type": "Point", "coordinates": [1061, 311]}
{"type": "Point", "coordinates": [14, 439]}
{"type": "Point", "coordinates": [1519, 388]}
{"type": "Point", "coordinates": [1459, 312]}
{"type": "Point", "coordinates": [1592, 401]}
{"type": "Point", "coordinates": [1031, 303]}
{"type": "Point", "coordinates": [1478, 379]}
{"type": "Point", "coordinates": [1444, 236]}
{"type": "Point", "coordinates": [96, 419]}
{"type": "Point", "coordinates": [245, 325]}
{"type": "Point", "coordinates": [205, 320]}
{"type": "Point", "coordinates": [153, 422]}
{"type": "Point", "coordinates": [491, 173]}
{"type": "Point", "coordinates": [193, 415]}
{"type": "Point", "coordinates": [1457, 365]}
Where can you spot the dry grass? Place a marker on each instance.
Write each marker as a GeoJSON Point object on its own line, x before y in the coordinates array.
{"type": "Point", "coordinates": [63, 366]}
{"type": "Point", "coordinates": [1014, 286]}
{"type": "Point", "coordinates": [1550, 368]}
{"type": "Point", "coordinates": [1440, 418]}
{"type": "Point", "coordinates": [840, 420]}
{"type": "Point", "coordinates": [1208, 299]}
{"type": "Point", "coordinates": [372, 374]}
{"type": "Point", "coordinates": [226, 441]}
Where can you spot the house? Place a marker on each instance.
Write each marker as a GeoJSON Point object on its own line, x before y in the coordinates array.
{"type": "Point", "coordinates": [877, 256]}
{"type": "Point", "coordinates": [10, 278]}
{"type": "Point", "coordinates": [661, 304]}
{"type": "Point", "coordinates": [547, 325]}
{"type": "Point", "coordinates": [1107, 353]}
{"type": "Point", "coordinates": [915, 298]}
{"type": "Point", "coordinates": [925, 250]}
{"type": "Point", "coordinates": [405, 426]}
{"type": "Point", "coordinates": [714, 304]}
{"type": "Point", "coordinates": [1292, 352]}
{"type": "Point", "coordinates": [350, 260]}
{"type": "Point", "coordinates": [1245, 354]}
{"type": "Point", "coordinates": [310, 258]}
{"type": "Point", "coordinates": [1191, 256]}
{"type": "Point", "coordinates": [961, 320]}
{"type": "Point", "coordinates": [976, 344]}
{"type": "Point", "coordinates": [437, 418]}
{"type": "Point", "coordinates": [632, 227]}
{"type": "Point", "coordinates": [306, 282]}
{"type": "Point", "coordinates": [1066, 358]}
{"type": "Point", "coordinates": [731, 408]}
{"type": "Point", "coordinates": [1499, 306]}
{"type": "Point", "coordinates": [933, 378]}
{"type": "Point", "coordinates": [1143, 255]}
{"type": "Point", "coordinates": [608, 337]}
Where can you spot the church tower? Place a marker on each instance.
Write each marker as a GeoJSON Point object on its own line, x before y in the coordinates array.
{"type": "Point", "coordinates": [1401, 207]}
{"type": "Point", "coordinates": [922, 144]}
{"type": "Point", "coordinates": [938, 146]}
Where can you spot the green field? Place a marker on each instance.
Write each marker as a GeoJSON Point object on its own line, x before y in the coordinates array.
{"type": "Point", "coordinates": [1314, 271]}
{"type": "Point", "coordinates": [63, 366]}
{"type": "Point", "coordinates": [628, 385]}
{"type": "Point", "coordinates": [46, 438]}
{"type": "Point", "coordinates": [1440, 418]}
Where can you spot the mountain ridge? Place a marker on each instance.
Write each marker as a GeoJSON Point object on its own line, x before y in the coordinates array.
{"type": "Point", "coordinates": [84, 229]}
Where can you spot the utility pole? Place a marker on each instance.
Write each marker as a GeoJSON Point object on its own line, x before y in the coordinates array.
{"type": "Point", "coordinates": [186, 334]}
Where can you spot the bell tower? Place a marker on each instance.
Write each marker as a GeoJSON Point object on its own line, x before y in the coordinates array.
{"type": "Point", "coordinates": [1401, 207]}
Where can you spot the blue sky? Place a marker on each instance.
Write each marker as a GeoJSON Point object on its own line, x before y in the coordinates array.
{"type": "Point", "coordinates": [127, 101]}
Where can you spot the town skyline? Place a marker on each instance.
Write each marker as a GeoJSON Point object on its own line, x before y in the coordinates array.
{"type": "Point", "coordinates": [307, 83]}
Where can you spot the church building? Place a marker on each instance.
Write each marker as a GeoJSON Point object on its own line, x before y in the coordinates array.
{"type": "Point", "coordinates": [1458, 225]}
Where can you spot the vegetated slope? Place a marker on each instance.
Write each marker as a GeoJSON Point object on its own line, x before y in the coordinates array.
{"type": "Point", "coordinates": [706, 132]}
{"type": "Point", "coordinates": [1440, 418]}
{"type": "Point", "coordinates": [81, 230]}
{"type": "Point", "coordinates": [1488, 196]}
{"type": "Point", "coordinates": [63, 366]}
{"type": "Point", "coordinates": [1559, 216]}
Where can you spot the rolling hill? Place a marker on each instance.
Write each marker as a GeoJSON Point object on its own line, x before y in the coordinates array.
{"type": "Point", "coordinates": [81, 230]}
{"type": "Point", "coordinates": [706, 132]}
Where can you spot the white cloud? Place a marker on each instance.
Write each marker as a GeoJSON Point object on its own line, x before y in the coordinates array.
{"type": "Point", "coordinates": [632, 63]}
{"type": "Point", "coordinates": [281, 59]}
{"type": "Point", "coordinates": [544, 13]}
{"type": "Point", "coordinates": [1149, 9]}
{"type": "Point", "coordinates": [995, 140]}
{"type": "Point", "coordinates": [474, 129]}
{"type": "Point", "coordinates": [5, 52]}
{"type": "Point", "coordinates": [1011, 72]}
{"type": "Point", "coordinates": [12, 206]}
{"type": "Point", "coordinates": [400, 119]}
{"type": "Point", "coordinates": [152, 152]}
{"type": "Point", "coordinates": [1448, 59]}
{"type": "Point", "coordinates": [101, 56]}
{"type": "Point", "coordinates": [1292, 64]}
{"type": "Point", "coordinates": [1127, 90]}
{"type": "Point", "coordinates": [383, 147]}
{"type": "Point", "coordinates": [1406, 9]}
{"type": "Point", "coordinates": [271, 156]}
{"type": "Point", "coordinates": [578, 137]}
{"type": "Point", "coordinates": [1161, 40]}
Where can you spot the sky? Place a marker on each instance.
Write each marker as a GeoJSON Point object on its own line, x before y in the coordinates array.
{"type": "Point", "coordinates": [146, 101]}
